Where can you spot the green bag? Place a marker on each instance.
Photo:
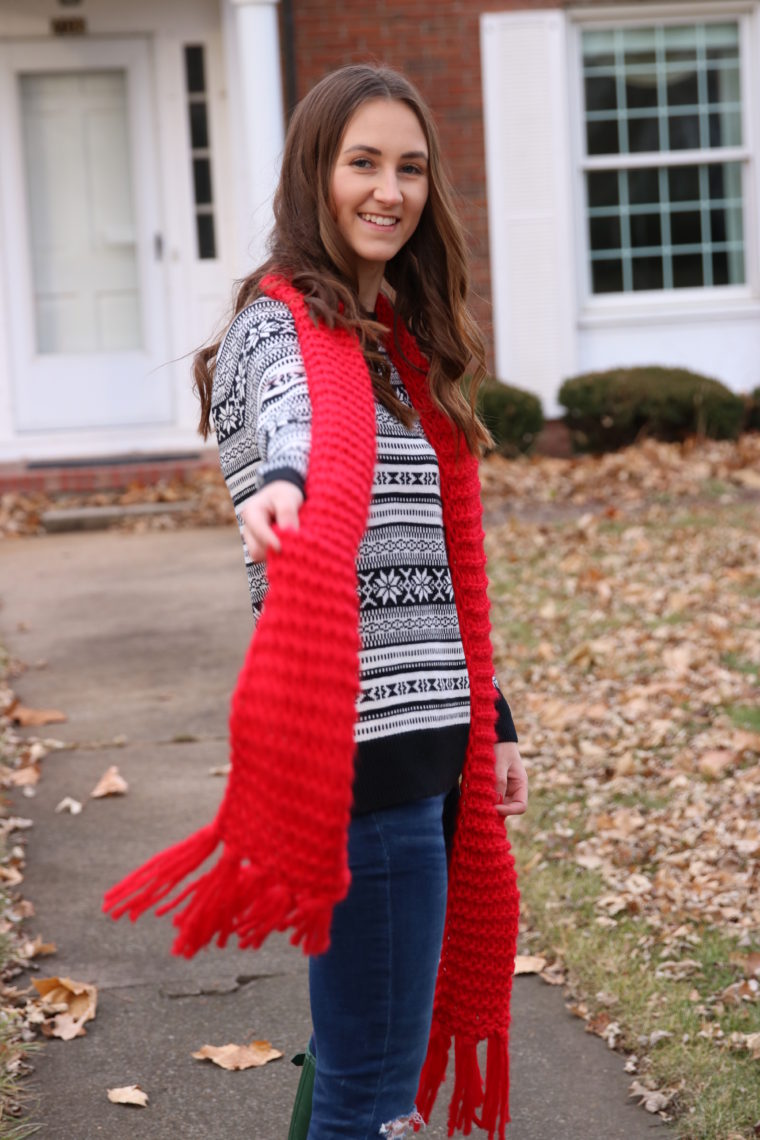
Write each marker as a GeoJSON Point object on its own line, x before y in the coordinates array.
{"type": "Point", "coordinates": [299, 1121]}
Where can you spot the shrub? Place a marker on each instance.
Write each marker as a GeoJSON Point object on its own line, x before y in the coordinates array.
{"type": "Point", "coordinates": [607, 410]}
{"type": "Point", "coordinates": [752, 421]}
{"type": "Point", "coordinates": [512, 415]}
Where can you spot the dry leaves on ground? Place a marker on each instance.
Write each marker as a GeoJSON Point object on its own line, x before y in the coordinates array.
{"type": "Point", "coordinates": [24, 717]}
{"type": "Point", "coordinates": [111, 783]}
{"type": "Point", "coordinates": [239, 1056]}
{"type": "Point", "coordinates": [629, 648]}
{"type": "Point", "coordinates": [64, 1006]}
{"type": "Point", "coordinates": [128, 1094]}
{"type": "Point", "coordinates": [203, 489]}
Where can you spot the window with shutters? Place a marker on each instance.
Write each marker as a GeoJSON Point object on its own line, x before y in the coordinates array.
{"type": "Point", "coordinates": [665, 156]}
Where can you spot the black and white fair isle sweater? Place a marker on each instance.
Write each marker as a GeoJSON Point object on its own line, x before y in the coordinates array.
{"type": "Point", "coordinates": [413, 710]}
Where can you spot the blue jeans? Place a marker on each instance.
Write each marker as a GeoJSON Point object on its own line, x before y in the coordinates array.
{"type": "Point", "coordinates": [372, 991]}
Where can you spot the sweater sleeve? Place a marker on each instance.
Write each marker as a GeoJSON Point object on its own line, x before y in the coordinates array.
{"type": "Point", "coordinates": [260, 401]}
{"type": "Point", "coordinates": [505, 725]}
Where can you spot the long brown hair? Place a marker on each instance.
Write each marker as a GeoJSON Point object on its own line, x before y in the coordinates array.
{"type": "Point", "coordinates": [428, 277]}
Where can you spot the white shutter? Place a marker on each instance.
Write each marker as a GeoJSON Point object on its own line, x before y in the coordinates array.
{"type": "Point", "coordinates": [526, 92]}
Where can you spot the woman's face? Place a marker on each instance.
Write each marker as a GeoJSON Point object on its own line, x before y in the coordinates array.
{"type": "Point", "coordinates": [379, 183]}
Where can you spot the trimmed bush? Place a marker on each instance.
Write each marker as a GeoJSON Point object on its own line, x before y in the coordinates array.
{"type": "Point", "coordinates": [752, 422]}
{"type": "Point", "coordinates": [513, 416]}
{"type": "Point", "coordinates": [608, 410]}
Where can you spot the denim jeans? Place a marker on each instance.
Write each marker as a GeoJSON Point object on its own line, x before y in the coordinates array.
{"type": "Point", "coordinates": [372, 991]}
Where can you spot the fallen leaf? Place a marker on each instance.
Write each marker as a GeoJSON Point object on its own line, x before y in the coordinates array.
{"type": "Point", "coordinates": [129, 1094]}
{"type": "Point", "coordinates": [25, 717]}
{"type": "Point", "coordinates": [70, 805]}
{"type": "Point", "coordinates": [73, 1004]}
{"type": "Point", "coordinates": [715, 762]}
{"type": "Point", "coordinates": [529, 964]}
{"type": "Point", "coordinates": [653, 1100]}
{"type": "Point", "coordinates": [28, 776]}
{"type": "Point", "coordinates": [111, 783]}
{"type": "Point", "coordinates": [239, 1056]}
{"type": "Point", "coordinates": [36, 948]}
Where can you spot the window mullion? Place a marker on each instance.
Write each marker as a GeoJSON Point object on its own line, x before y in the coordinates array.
{"type": "Point", "coordinates": [667, 237]}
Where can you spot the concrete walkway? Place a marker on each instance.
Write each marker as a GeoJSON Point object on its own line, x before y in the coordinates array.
{"type": "Point", "coordinates": [143, 636]}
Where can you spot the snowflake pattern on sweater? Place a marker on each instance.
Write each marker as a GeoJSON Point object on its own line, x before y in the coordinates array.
{"type": "Point", "coordinates": [412, 667]}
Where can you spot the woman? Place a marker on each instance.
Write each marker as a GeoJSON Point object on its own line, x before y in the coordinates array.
{"type": "Point", "coordinates": [349, 450]}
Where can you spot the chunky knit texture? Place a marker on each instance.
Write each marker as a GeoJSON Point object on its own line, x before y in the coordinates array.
{"type": "Point", "coordinates": [284, 817]}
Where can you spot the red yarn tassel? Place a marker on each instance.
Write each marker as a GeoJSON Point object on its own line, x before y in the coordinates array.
{"type": "Point", "coordinates": [433, 1071]}
{"type": "Point", "coordinates": [157, 878]}
{"type": "Point", "coordinates": [495, 1114]}
{"type": "Point", "coordinates": [468, 1087]}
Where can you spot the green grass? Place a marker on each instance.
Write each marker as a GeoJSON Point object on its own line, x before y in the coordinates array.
{"type": "Point", "coordinates": [736, 663]}
{"type": "Point", "coordinates": [745, 716]}
{"type": "Point", "coordinates": [720, 1092]}
{"type": "Point", "coordinates": [14, 1100]}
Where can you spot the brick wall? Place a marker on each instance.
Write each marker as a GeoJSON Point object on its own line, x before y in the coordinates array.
{"type": "Point", "coordinates": [436, 43]}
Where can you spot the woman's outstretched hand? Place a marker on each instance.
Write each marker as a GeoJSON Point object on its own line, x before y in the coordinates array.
{"type": "Point", "coordinates": [276, 504]}
{"type": "Point", "coordinates": [511, 780]}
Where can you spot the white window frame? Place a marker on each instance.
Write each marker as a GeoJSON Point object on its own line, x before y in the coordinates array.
{"type": "Point", "coordinates": [660, 305]}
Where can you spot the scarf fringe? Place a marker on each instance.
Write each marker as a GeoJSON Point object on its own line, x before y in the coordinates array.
{"type": "Point", "coordinates": [228, 899]}
{"type": "Point", "coordinates": [469, 1093]}
{"type": "Point", "coordinates": [157, 878]}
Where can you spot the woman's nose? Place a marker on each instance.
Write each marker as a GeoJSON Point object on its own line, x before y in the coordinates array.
{"type": "Point", "coordinates": [387, 189]}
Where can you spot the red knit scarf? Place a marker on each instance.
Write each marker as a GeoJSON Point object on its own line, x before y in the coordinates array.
{"type": "Point", "coordinates": [285, 814]}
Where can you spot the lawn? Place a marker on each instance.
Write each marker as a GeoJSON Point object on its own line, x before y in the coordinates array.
{"type": "Point", "coordinates": [628, 643]}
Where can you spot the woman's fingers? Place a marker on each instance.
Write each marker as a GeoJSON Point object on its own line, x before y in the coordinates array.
{"type": "Point", "coordinates": [277, 504]}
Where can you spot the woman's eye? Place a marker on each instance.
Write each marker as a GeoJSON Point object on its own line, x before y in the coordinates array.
{"type": "Point", "coordinates": [410, 168]}
{"type": "Point", "coordinates": [361, 163]}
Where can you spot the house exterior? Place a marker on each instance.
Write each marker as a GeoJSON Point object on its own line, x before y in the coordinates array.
{"type": "Point", "coordinates": [605, 156]}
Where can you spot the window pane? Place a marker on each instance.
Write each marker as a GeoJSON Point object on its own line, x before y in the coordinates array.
{"type": "Point", "coordinates": [644, 186]}
{"type": "Point", "coordinates": [603, 188]}
{"type": "Point", "coordinates": [641, 90]}
{"type": "Point", "coordinates": [683, 183]}
{"type": "Point", "coordinates": [722, 42]}
{"type": "Point", "coordinates": [206, 236]}
{"type": "Point", "coordinates": [647, 273]}
{"type": "Point", "coordinates": [680, 43]}
{"type": "Point", "coordinates": [198, 126]}
{"type": "Point", "coordinates": [202, 180]}
{"type": "Point", "coordinates": [639, 46]}
{"type": "Point", "coordinates": [726, 129]}
{"type": "Point", "coordinates": [646, 230]}
{"type": "Point", "coordinates": [601, 93]}
{"type": "Point", "coordinates": [684, 132]}
{"type": "Point", "coordinates": [195, 71]}
{"type": "Point", "coordinates": [643, 134]}
{"type": "Point", "coordinates": [687, 271]}
{"type": "Point", "coordinates": [604, 233]}
{"type": "Point", "coordinates": [686, 228]}
{"type": "Point", "coordinates": [602, 138]}
{"type": "Point", "coordinates": [682, 88]}
{"type": "Point", "coordinates": [607, 276]}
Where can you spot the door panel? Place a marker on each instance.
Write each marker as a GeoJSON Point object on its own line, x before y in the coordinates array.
{"type": "Point", "coordinates": [81, 211]}
{"type": "Point", "coordinates": [80, 214]}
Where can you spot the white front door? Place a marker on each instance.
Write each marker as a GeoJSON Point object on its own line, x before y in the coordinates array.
{"type": "Point", "coordinates": [78, 186]}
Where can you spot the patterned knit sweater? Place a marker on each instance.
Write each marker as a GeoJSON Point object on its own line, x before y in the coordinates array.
{"type": "Point", "coordinates": [413, 709]}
